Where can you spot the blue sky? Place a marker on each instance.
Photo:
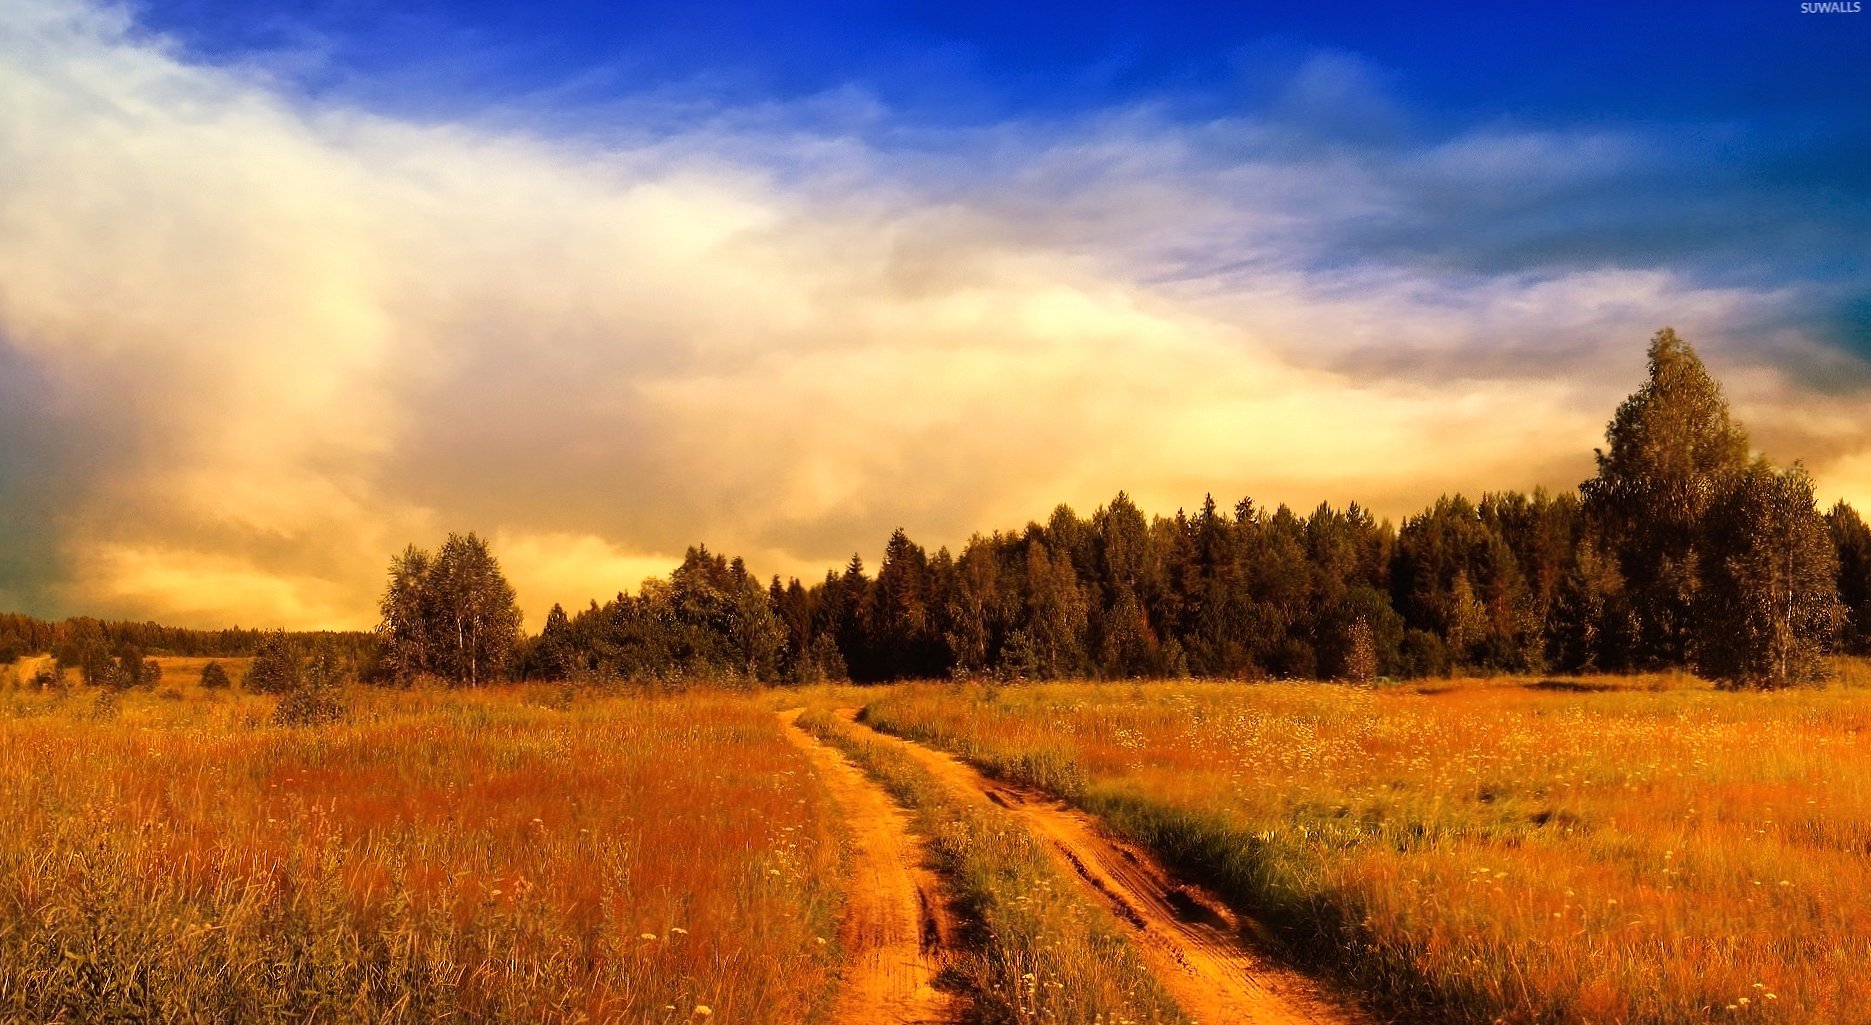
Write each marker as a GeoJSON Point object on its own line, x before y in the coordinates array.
{"type": "Point", "coordinates": [1756, 118]}
{"type": "Point", "coordinates": [284, 287]}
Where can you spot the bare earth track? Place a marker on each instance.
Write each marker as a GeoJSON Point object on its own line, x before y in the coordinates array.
{"type": "Point", "coordinates": [896, 928]}
{"type": "Point", "coordinates": [1192, 942]}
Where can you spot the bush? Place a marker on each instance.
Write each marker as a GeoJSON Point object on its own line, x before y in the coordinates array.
{"type": "Point", "coordinates": [316, 698]}
{"type": "Point", "coordinates": [310, 706]}
{"type": "Point", "coordinates": [213, 677]}
{"type": "Point", "coordinates": [106, 707]}
{"type": "Point", "coordinates": [275, 668]}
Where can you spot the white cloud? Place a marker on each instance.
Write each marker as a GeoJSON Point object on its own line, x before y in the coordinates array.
{"type": "Point", "coordinates": [316, 334]}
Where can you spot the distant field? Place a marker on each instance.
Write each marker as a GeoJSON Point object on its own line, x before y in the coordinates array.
{"type": "Point", "coordinates": [1510, 850]}
{"type": "Point", "coordinates": [494, 856]}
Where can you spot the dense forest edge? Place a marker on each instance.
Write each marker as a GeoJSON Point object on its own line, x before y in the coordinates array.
{"type": "Point", "coordinates": [1684, 551]}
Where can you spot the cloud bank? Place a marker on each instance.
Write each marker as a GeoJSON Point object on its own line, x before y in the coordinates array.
{"type": "Point", "coordinates": [251, 343]}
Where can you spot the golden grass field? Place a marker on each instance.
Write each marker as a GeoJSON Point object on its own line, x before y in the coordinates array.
{"type": "Point", "coordinates": [495, 856]}
{"type": "Point", "coordinates": [1486, 850]}
{"type": "Point", "coordinates": [1638, 850]}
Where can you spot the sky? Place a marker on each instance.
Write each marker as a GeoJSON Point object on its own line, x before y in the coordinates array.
{"type": "Point", "coordinates": [285, 286]}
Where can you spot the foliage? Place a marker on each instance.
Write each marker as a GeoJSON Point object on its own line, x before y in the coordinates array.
{"type": "Point", "coordinates": [1771, 594]}
{"type": "Point", "coordinates": [452, 615]}
{"type": "Point", "coordinates": [316, 698]}
{"type": "Point", "coordinates": [213, 677]}
{"type": "Point", "coordinates": [1672, 449]}
{"type": "Point", "coordinates": [276, 665]}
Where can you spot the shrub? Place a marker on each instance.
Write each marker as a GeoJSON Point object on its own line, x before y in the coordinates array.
{"type": "Point", "coordinates": [275, 668]}
{"type": "Point", "coordinates": [105, 708]}
{"type": "Point", "coordinates": [317, 698]}
{"type": "Point", "coordinates": [213, 677]}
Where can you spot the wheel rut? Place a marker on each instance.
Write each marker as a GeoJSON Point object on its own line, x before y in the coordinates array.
{"type": "Point", "coordinates": [1201, 951]}
{"type": "Point", "coordinates": [897, 930]}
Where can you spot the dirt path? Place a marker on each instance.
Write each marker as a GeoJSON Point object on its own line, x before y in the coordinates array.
{"type": "Point", "coordinates": [1200, 950]}
{"type": "Point", "coordinates": [896, 927]}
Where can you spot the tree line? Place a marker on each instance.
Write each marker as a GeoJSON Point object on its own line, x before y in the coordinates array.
{"type": "Point", "coordinates": [1684, 550]}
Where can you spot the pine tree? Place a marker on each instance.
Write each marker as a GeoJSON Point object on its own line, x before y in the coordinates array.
{"type": "Point", "coordinates": [1852, 538]}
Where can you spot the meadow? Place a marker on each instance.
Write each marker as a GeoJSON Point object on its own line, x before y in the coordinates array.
{"type": "Point", "coordinates": [513, 854]}
{"type": "Point", "coordinates": [1617, 849]}
{"type": "Point", "coordinates": [1604, 850]}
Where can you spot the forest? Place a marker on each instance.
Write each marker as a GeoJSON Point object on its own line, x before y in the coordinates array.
{"type": "Point", "coordinates": [1684, 551]}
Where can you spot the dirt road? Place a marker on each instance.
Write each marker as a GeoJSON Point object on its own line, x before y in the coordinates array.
{"type": "Point", "coordinates": [1192, 942]}
{"type": "Point", "coordinates": [896, 929]}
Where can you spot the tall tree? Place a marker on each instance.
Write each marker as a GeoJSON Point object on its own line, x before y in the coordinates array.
{"type": "Point", "coordinates": [1771, 601]}
{"type": "Point", "coordinates": [453, 615]}
{"type": "Point", "coordinates": [1671, 450]}
{"type": "Point", "coordinates": [406, 618]}
{"type": "Point", "coordinates": [1852, 538]}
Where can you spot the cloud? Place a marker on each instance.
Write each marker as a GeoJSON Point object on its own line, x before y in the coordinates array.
{"type": "Point", "coordinates": [253, 343]}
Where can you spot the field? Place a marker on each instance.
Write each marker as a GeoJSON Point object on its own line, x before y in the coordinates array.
{"type": "Point", "coordinates": [1489, 850]}
{"type": "Point", "coordinates": [511, 855]}
{"type": "Point", "coordinates": [1641, 850]}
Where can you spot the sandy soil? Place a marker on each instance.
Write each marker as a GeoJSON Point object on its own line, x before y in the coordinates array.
{"type": "Point", "coordinates": [897, 929]}
{"type": "Point", "coordinates": [1204, 954]}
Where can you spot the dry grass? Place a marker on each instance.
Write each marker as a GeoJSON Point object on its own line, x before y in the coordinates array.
{"type": "Point", "coordinates": [1488, 850]}
{"type": "Point", "coordinates": [501, 856]}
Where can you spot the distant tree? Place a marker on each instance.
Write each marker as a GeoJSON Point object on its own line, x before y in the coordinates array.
{"type": "Point", "coordinates": [1852, 538]}
{"type": "Point", "coordinates": [316, 696]}
{"type": "Point", "coordinates": [88, 651]}
{"type": "Point", "coordinates": [755, 632]}
{"type": "Point", "coordinates": [827, 662]}
{"type": "Point", "coordinates": [1771, 601]}
{"type": "Point", "coordinates": [974, 611]}
{"type": "Point", "coordinates": [1589, 624]}
{"type": "Point", "coordinates": [1057, 615]}
{"type": "Point", "coordinates": [1671, 451]}
{"type": "Point", "coordinates": [276, 665]}
{"type": "Point", "coordinates": [453, 615]}
{"type": "Point", "coordinates": [553, 654]}
{"type": "Point", "coordinates": [213, 677]}
{"type": "Point", "coordinates": [1361, 654]}
{"type": "Point", "coordinates": [151, 673]}
{"type": "Point", "coordinates": [408, 616]}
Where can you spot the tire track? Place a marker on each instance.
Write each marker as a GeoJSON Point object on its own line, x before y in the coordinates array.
{"type": "Point", "coordinates": [1202, 952]}
{"type": "Point", "coordinates": [896, 930]}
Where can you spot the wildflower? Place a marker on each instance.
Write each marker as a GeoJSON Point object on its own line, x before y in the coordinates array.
{"type": "Point", "coordinates": [678, 930]}
{"type": "Point", "coordinates": [647, 936]}
{"type": "Point", "coordinates": [703, 1010]}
